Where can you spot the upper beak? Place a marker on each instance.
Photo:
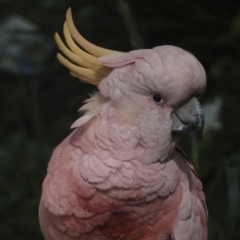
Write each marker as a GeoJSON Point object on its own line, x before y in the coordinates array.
{"type": "Point", "coordinates": [188, 117]}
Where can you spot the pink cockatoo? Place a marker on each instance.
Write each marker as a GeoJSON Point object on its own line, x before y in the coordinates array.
{"type": "Point", "coordinates": [119, 174]}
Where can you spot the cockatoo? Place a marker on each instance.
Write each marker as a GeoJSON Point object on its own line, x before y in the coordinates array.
{"type": "Point", "coordinates": [119, 174]}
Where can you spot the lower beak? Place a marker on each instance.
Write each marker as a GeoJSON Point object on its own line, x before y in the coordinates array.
{"type": "Point", "coordinates": [188, 117]}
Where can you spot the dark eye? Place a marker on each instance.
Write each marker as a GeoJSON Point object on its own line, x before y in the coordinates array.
{"type": "Point", "coordinates": [157, 98]}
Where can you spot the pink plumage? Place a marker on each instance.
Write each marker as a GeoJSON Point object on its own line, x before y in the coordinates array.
{"type": "Point", "coordinates": [119, 174]}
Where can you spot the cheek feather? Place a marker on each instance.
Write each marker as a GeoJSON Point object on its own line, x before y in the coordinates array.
{"type": "Point", "coordinates": [128, 109]}
{"type": "Point", "coordinates": [155, 134]}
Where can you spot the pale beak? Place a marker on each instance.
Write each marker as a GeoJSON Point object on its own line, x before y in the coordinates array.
{"type": "Point", "coordinates": [188, 117]}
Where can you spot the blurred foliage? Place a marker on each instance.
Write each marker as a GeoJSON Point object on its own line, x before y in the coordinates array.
{"type": "Point", "coordinates": [36, 111]}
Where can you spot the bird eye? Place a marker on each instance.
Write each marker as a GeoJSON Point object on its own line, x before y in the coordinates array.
{"type": "Point", "coordinates": [157, 98]}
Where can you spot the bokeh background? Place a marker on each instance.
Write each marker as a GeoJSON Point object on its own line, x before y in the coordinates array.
{"type": "Point", "coordinates": [39, 99]}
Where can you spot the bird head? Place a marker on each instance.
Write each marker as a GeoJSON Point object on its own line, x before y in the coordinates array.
{"type": "Point", "coordinates": [153, 91]}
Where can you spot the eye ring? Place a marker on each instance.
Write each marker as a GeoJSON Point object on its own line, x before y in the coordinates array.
{"type": "Point", "coordinates": [157, 98]}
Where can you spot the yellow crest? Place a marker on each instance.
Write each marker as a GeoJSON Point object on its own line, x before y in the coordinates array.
{"type": "Point", "coordinates": [83, 64]}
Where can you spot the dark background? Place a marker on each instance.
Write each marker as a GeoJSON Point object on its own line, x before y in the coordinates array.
{"type": "Point", "coordinates": [39, 100]}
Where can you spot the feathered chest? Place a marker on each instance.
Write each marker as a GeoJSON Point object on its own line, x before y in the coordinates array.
{"type": "Point", "coordinates": [98, 161]}
{"type": "Point", "coordinates": [92, 191]}
{"type": "Point", "coordinates": [95, 188]}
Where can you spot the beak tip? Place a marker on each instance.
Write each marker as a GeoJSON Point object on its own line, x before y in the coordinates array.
{"type": "Point", "coordinates": [189, 117]}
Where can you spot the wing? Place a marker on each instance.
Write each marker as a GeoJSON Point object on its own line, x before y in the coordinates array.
{"type": "Point", "coordinates": [83, 186]}
{"type": "Point", "coordinates": [70, 186]}
{"type": "Point", "coordinates": [192, 216]}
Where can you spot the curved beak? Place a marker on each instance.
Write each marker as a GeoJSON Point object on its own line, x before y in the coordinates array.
{"type": "Point", "coordinates": [188, 117]}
